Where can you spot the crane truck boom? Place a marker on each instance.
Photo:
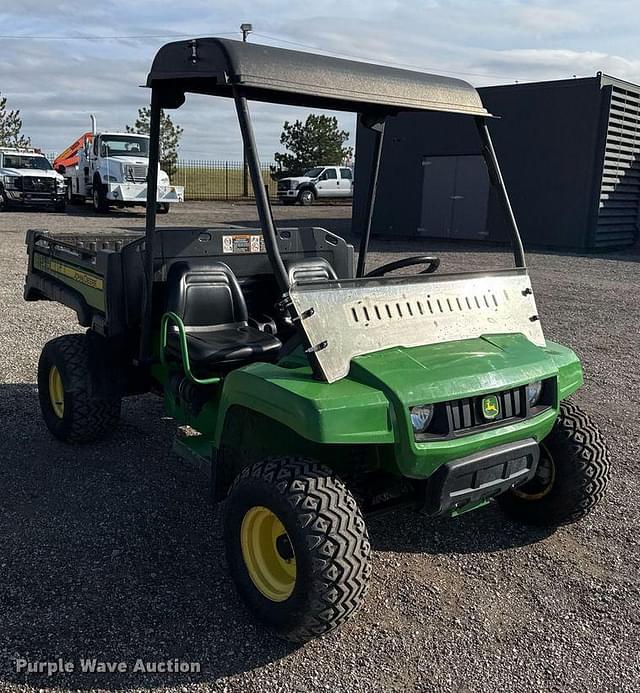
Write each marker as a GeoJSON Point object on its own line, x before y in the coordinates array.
{"type": "Point", "coordinates": [110, 168]}
{"type": "Point", "coordinates": [70, 156]}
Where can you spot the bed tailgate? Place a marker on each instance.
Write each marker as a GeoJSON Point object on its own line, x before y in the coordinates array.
{"type": "Point", "coordinates": [75, 271]}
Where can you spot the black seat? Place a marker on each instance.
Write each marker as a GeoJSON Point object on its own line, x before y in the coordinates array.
{"type": "Point", "coordinates": [310, 270]}
{"type": "Point", "coordinates": [208, 299]}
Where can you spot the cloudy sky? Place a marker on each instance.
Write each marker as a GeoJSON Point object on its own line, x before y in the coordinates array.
{"type": "Point", "coordinates": [97, 53]}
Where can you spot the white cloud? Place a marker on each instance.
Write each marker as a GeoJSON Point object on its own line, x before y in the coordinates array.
{"type": "Point", "coordinates": [547, 63]}
{"type": "Point", "coordinates": [550, 19]}
{"type": "Point", "coordinates": [58, 83]}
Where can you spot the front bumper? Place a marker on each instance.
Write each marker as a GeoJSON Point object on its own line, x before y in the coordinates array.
{"type": "Point", "coordinates": [288, 193]}
{"type": "Point", "coordinates": [481, 476]}
{"type": "Point", "coordinates": [136, 193]}
{"type": "Point", "coordinates": [34, 198]}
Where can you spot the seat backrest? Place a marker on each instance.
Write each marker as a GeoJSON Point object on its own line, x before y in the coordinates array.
{"type": "Point", "coordinates": [310, 270]}
{"type": "Point", "coordinates": [205, 294]}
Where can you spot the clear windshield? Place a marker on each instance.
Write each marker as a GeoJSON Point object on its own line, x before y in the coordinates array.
{"type": "Point", "coordinates": [314, 172]}
{"type": "Point", "coordinates": [39, 163]}
{"type": "Point", "coordinates": [124, 145]}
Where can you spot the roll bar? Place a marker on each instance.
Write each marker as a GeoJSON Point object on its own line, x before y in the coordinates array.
{"type": "Point", "coordinates": [247, 71]}
{"type": "Point", "coordinates": [262, 201]}
{"type": "Point", "coordinates": [495, 175]}
{"type": "Point", "coordinates": [146, 334]}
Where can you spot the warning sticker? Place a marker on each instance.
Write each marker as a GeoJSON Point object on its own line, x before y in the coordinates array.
{"type": "Point", "coordinates": [243, 243]}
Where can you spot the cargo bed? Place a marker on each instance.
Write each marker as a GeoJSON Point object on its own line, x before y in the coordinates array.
{"type": "Point", "coordinates": [101, 275]}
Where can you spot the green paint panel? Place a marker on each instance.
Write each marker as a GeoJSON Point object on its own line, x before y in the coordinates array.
{"type": "Point", "coordinates": [441, 372]}
{"type": "Point", "coordinates": [343, 412]}
{"type": "Point", "coordinates": [371, 405]}
{"type": "Point", "coordinates": [453, 370]}
{"type": "Point", "coordinates": [89, 285]}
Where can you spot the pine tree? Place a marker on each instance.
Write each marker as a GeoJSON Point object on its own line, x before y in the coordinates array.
{"type": "Point", "coordinates": [11, 127]}
{"type": "Point", "coordinates": [169, 137]}
{"type": "Point", "coordinates": [316, 142]}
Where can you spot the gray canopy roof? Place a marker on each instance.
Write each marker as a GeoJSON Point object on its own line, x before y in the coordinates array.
{"type": "Point", "coordinates": [214, 66]}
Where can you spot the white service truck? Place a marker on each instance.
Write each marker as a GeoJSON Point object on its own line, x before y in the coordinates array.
{"type": "Point", "coordinates": [322, 182]}
{"type": "Point", "coordinates": [110, 168]}
{"type": "Point", "coordinates": [28, 178]}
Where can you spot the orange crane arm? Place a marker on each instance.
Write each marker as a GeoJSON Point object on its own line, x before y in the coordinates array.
{"type": "Point", "coordinates": [69, 156]}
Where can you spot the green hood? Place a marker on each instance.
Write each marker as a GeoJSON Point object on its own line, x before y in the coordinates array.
{"type": "Point", "coordinates": [440, 372]}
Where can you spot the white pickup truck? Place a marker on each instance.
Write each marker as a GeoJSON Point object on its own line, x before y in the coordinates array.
{"type": "Point", "coordinates": [110, 168]}
{"type": "Point", "coordinates": [27, 178]}
{"type": "Point", "coordinates": [321, 182]}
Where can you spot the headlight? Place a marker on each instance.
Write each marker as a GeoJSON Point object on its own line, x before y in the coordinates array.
{"type": "Point", "coordinates": [11, 181]}
{"type": "Point", "coordinates": [534, 390]}
{"type": "Point", "coordinates": [421, 417]}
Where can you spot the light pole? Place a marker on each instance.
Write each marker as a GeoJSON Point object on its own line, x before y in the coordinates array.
{"type": "Point", "coordinates": [246, 29]}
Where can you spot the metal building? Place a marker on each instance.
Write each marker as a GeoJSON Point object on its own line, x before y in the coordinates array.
{"type": "Point", "coordinates": [570, 156]}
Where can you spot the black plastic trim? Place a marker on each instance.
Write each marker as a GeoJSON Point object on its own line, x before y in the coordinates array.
{"type": "Point", "coordinates": [481, 476]}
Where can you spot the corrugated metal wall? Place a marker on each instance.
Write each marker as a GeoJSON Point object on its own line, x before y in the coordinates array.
{"type": "Point", "coordinates": [618, 221]}
{"type": "Point", "coordinates": [569, 152]}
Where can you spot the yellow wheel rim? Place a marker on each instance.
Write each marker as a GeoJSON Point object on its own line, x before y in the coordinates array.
{"type": "Point", "coordinates": [56, 392]}
{"type": "Point", "coordinates": [537, 491]}
{"type": "Point", "coordinates": [268, 553]}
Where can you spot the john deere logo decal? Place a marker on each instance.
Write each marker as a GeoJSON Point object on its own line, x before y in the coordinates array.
{"type": "Point", "coordinates": [490, 407]}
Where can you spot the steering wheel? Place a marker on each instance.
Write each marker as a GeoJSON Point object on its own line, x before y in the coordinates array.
{"type": "Point", "coordinates": [432, 265]}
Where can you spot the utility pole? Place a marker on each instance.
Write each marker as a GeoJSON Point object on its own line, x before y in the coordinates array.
{"type": "Point", "coordinates": [246, 29]}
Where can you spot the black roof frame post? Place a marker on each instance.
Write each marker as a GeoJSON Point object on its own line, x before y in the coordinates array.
{"type": "Point", "coordinates": [377, 125]}
{"type": "Point", "coordinates": [150, 228]}
{"type": "Point", "coordinates": [267, 223]}
{"type": "Point", "coordinates": [260, 193]}
{"type": "Point", "coordinates": [495, 175]}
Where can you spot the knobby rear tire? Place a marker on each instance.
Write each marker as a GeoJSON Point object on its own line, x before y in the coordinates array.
{"type": "Point", "coordinates": [87, 417]}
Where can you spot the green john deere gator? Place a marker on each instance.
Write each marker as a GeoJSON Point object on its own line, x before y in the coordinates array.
{"type": "Point", "coordinates": [320, 392]}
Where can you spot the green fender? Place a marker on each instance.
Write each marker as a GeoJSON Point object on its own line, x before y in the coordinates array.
{"type": "Point", "coordinates": [345, 412]}
{"type": "Point", "coordinates": [371, 406]}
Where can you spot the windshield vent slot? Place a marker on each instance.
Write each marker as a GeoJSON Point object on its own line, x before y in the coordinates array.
{"type": "Point", "coordinates": [371, 314]}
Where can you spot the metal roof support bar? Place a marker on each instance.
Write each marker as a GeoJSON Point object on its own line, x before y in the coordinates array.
{"type": "Point", "coordinates": [152, 196]}
{"type": "Point", "coordinates": [262, 201]}
{"type": "Point", "coordinates": [378, 129]}
{"type": "Point", "coordinates": [497, 181]}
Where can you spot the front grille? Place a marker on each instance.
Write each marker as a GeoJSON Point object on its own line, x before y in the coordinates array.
{"type": "Point", "coordinates": [135, 173]}
{"type": "Point", "coordinates": [286, 185]}
{"type": "Point", "coordinates": [461, 417]}
{"type": "Point", "coordinates": [467, 413]}
{"type": "Point", "coordinates": [36, 184]}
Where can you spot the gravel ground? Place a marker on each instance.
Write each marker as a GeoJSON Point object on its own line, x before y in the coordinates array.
{"type": "Point", "coordinates": [112, 551]}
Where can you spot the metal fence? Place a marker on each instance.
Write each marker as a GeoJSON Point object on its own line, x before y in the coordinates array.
{"type": "Point", "coordinates": [217, 180]}
{"type": "Point", "coordinates": [213, 180]}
